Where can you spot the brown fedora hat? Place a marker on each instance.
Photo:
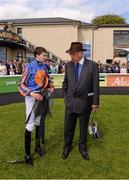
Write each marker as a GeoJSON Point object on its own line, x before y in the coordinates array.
{"type": "Point", "coordinates": [75, 47]}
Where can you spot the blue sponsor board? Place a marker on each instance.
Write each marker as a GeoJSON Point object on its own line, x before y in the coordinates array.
{"type": "Point", "coordinates": [127, 57]}
{"type": "Point", "coordinates": [87, 53]}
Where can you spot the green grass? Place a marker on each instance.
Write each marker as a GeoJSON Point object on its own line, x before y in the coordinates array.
{"type": "Point", "coordinates": [109, 156]}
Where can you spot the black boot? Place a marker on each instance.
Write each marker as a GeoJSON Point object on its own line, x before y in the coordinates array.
{"type": "Point", "coordinates": [28, 158]}
{"type": "Point", "coordinates": [38, 148]}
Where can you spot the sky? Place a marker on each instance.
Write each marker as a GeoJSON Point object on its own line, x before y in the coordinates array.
{"type": "Point", "coordinates": [83, 10]}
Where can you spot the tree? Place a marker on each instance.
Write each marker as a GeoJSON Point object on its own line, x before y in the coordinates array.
{"type": "Point", "coordinates": [109, 19]}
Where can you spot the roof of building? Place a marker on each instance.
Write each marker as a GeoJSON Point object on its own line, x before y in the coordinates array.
{"type": "Point", "coordinates": [57, 20]}
{"type": "Point", "coordinates": [113, 25]}
{"type": "Point", "coordinates": [39, 20]}
{"type": "Point", "coordinates": [51, 20]}
{"type": "Point", "coordinates": [104, 25]}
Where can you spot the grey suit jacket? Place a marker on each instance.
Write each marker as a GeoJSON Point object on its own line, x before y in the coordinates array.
{"type": "Point", "coordinates": [78, 95]}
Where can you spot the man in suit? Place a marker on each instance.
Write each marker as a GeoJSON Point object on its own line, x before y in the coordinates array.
{"type": "Point", "coordinates": [11, 68]}
{"type": "Point", "coordinates": [81, 88]}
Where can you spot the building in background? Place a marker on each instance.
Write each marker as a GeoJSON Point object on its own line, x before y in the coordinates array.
{"type": "Point", "coordinates": [18, 38]}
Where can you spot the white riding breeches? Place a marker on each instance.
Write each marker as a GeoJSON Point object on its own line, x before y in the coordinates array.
{"type": "Point", "coordinates": [29, 102]}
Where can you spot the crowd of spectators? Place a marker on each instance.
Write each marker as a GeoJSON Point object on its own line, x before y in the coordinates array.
{"type": "Point", "coordinates": [55, 68]}
{"type": "Point", "coordinates": [13, 67]}
{"type": "Point", "coordinates": [114, 67]}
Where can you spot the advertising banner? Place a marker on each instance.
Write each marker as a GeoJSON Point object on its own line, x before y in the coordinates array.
{"type": "Point", "coordinates": [118, 80]}
{"type": "Point", "coordinates": [9, 83]}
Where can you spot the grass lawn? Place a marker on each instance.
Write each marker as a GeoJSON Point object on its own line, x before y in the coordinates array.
{"type": "Point", "coordinates": [109, 156]}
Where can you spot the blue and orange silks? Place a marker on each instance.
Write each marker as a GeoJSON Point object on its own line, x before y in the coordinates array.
{"type": "Point", "coordinates": [34, 78]}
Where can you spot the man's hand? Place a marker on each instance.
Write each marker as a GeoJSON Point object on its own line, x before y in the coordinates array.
{"type": "Point", "coordinates": [95, 108]}
{"type": "Point", "coordinates": [37, 96]}
{"type": "Point", "coordinates": [51, 87]}
{"type": "Point", "coordinates": [52, 90]}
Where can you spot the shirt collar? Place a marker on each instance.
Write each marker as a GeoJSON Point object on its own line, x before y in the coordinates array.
{"type": "Point", "coordinates": [81, 61]}
{"type": "Point", "coordinates": [40, 63]}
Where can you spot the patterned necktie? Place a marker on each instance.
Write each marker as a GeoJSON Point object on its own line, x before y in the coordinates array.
{"type": "Point", "coordinates": [77, 71]}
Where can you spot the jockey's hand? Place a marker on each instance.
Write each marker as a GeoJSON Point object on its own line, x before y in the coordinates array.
{"type": "Point", "coordinates": [37, 96]}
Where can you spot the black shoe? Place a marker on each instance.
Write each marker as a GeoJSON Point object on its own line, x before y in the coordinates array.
{"type": "Point", "coordinates": [28, 160]}
{"type": "Point", "coordinates": [65, 153]}
{"type": "Point", "coordinates": [39, 151]}
{"type": "Point", "coordinates": [85, 154]}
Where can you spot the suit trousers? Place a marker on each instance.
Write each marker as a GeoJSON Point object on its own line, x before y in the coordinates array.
{"type": "Point", "coordinates": [70, 125]}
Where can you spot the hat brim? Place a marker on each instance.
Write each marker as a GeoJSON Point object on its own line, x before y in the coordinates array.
{"type": "Point", "coordinates": [70, 51]}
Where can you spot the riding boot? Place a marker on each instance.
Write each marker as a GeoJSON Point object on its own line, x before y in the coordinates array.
{"type": "Point", "coordinates": [38, 148]}
{"type": "Point", "coordinates": [28, 158]}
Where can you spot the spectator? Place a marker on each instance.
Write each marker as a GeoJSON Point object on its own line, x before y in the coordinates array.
{"type": "Point", "coordinates": [11, 68]}
{"type": "Point", "coordinates": [19, 67]}
{"type": "Point", "coordinates": [48, 66]}
{"type": "Point", "coordinates": [24, 64]}
{"type": "Point", "coordinates": [108, 68]}
{"type": "Point", "coordinates": [53, 69]}
{"type": "Point", "coordinates": [123, 69]}
{"type": "Point", "coordinates": [127, 67]}
{"type": "Point", "coordinates": [60, 68]}
{"type": "Point", "coordinates": [115, 67]}
{"type": "Point", "coordinates": [3, 69]}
